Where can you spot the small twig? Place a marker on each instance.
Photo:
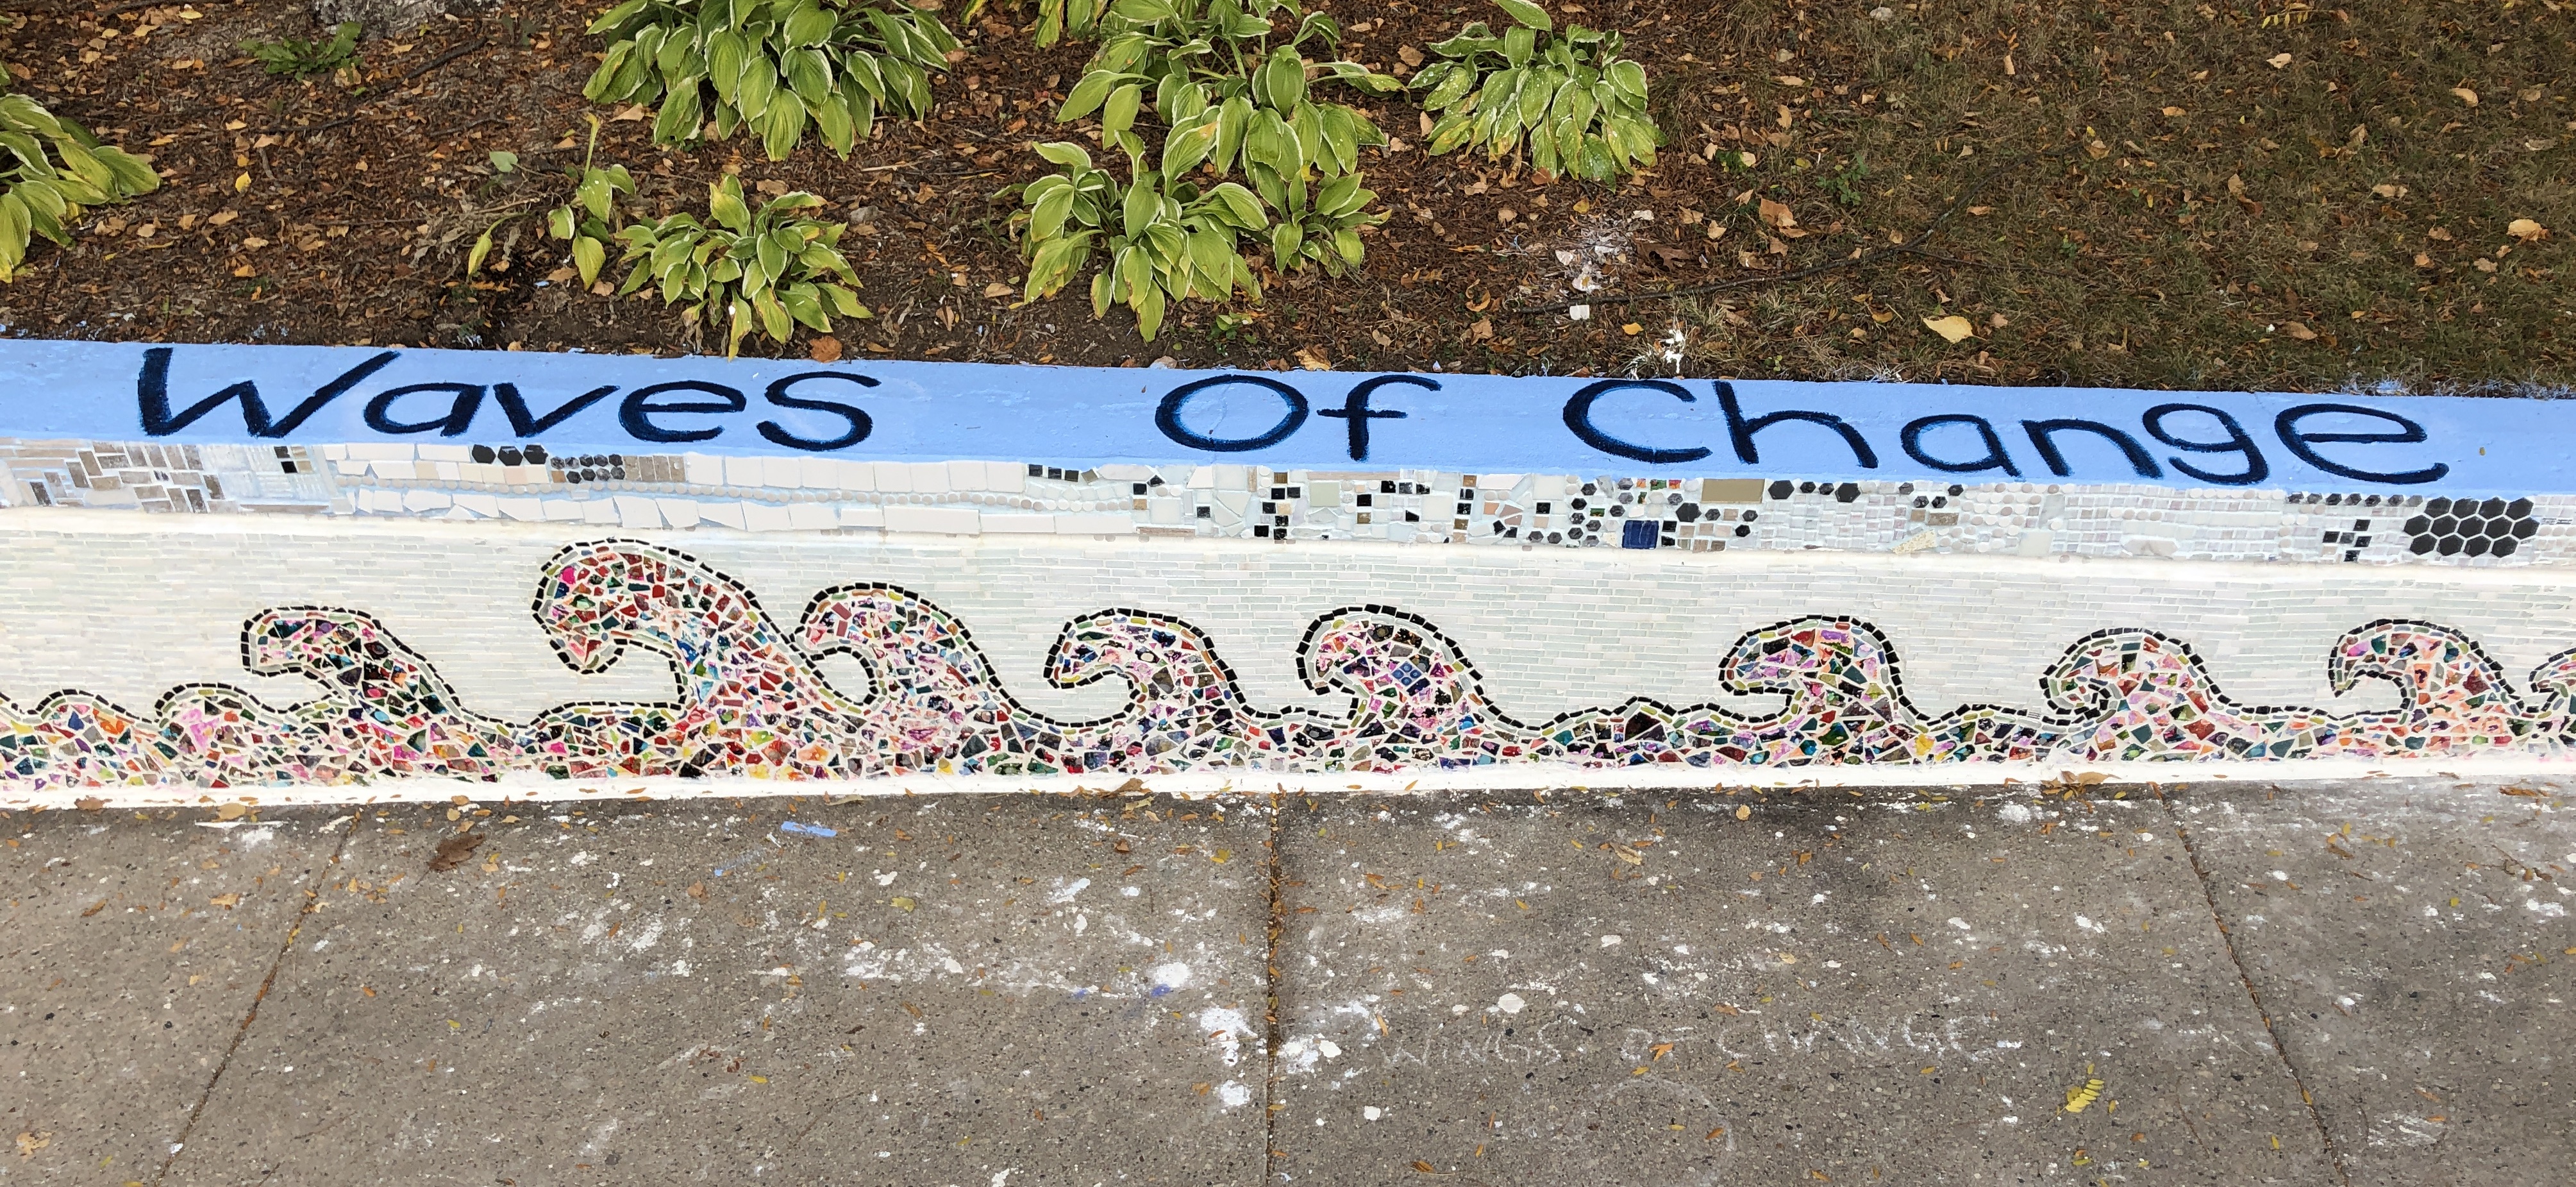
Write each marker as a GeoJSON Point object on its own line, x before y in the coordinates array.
{"type": "Point", "coordinates": [1862, 260]}
{"type": "Point", "coordinates": [449, 56]}
{"type": "Point", "coordinates": [461, 129]}
{"type": "Point", "coordinates": [297, 130]}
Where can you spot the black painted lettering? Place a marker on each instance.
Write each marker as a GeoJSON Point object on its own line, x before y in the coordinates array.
{"type": "Point", "coordinates": [2303, 444]}
{"type": "Point", "coordinates": [2043, 436]}
{"type": "Point", "coordinates": [527, 425]}
{"type": "Point", "coordinates": [1995, 459]}
{"type": "Point", "coordinates": [1742, 430]}
{"type": "Point", "coordinates": [2256, 469]}
{"type": "Point", "coordinates": [1355, 409]}
{"type": "Point", "coordinates": [463, 400]}
{"type": "Point", "coordinates": [636, 413]}
{"type": "Point", "coordinates": [152, 392]}
{"type": "Point", "coordinates": [1167, 415]}
{"type": "Point", "coordinates": [860, 424]}
{"type": "Point", "coordinates": [1578, 419]}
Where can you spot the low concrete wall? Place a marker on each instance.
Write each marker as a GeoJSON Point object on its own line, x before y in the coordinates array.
{"type": "Point", "coordinates": [250, 652]}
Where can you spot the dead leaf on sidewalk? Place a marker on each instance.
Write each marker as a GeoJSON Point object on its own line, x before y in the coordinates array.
{"type": "Point", "coordinates": [453, 851]}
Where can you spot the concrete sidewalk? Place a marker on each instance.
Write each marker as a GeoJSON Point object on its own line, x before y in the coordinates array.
{"type": "Point", "coordinates": [2303, 983]}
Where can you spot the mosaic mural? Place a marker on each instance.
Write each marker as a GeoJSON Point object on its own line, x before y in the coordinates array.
{"type": "Point", "coordinates": [749, 701]}
{"type": "Point", "coordinates": [1195, 501]}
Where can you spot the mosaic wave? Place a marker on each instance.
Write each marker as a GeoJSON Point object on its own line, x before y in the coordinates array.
{"type": "Point", "coordinates": [749, 701]}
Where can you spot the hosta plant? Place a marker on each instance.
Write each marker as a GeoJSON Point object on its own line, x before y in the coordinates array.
{"type": "Point", "coordinates": [591, 220]}
{"type": "Point", "coordinates": [774, 67]}
{"type": "Point", "coordinates": [1058, 19]}
{"type": "Point", "coordinates": [1578, 105]}
{"type": "Point", "coordinates": [771, 268]}
{"type": "Point", "coordinates": [51, 171]}
{"type": "Point", "coordinates": [1325, 230]}
{"type": "Point", "coordinates": [296, 58]}
{"type": "Point", "coordinates": [1217, 79]}
{"type": "Point", "coordinates": [1161, 240]}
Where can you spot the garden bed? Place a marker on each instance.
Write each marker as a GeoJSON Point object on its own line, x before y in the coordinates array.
{"type": "Point", "coordinates": [2279, 197]}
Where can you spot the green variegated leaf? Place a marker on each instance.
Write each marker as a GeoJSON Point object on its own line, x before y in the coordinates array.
{"type": "Point", "coordinates": [1452, 131]}
{"type": "Point", "coordinates": [589, 255]}
{"type": "Point", "coordinates": [726, 53]}
{"type": "Point", "coordinates": [1087, 95]}
{"type": "Point", "coordinates": [1149, 312]}
{"type": "Point", "coordinates": [782, 125]}
{"type": "Point", "coordinates": [1065, 153]}
{"type": "Point", "coordinates": [679, 118]}
{"type": "Point", "coordinates": [1528, 15]}
{"type": "Point", "coordinates": [1047, 216]}
{"type": "Point", "coordinates": [724, 204]}
{"type": "Point", "coordinates": [1118, 112]}
{"type": "Point", "coordinates": [845, 302]}
{"type": "Point", "coordinates": [1451, 88]}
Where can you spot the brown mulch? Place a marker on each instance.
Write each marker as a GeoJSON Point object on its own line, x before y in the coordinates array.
{"type": "Point", "coordinates": [2239, 243]}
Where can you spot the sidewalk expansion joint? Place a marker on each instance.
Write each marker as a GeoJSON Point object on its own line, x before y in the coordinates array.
{"type": "Point", "coordinates": [1270, 1032]}
{"type": "Point", "coordinates": [312, 895]}
{"type": "Point", "coordinates": [2227, 940]}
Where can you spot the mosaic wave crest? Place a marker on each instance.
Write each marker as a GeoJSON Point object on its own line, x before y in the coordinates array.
{"type": "Point", "coordinates": [749, 701]}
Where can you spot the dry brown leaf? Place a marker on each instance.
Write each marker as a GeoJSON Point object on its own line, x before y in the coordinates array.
{"type": "Point", "coordinates": [1777, 214]}
{"type": "Point", "coordinates": [1953, 329]}
{"type": "Point", "coordinates": [2465, 95]}
{"type": "Point", "coordinates": [825, 349]}
{"type": "Point", "coordinates": [1743, 812]}
{"type": "Point", "coordinates": [2277, 61]}
{"type": "Point", "coordinates": [1312, 358]}
{"type": "Point", "coordinates": [2299, 330]}
{"type": "Point", "coordinates": [226, 901]}
{"type": "Point", "coordinates": [453, 851]}
{"type": "Point", "coordinates": [2526, 230]}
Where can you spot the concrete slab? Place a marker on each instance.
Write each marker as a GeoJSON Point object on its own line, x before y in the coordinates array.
{"type": "Point", "coordinates": [132, 950]}
{"type": "Point", "coordinates": [1711, 989]}
{"type": "Point", "coordinates": [966, 991]}
{"type": "Point", "coordinates": [2412, 945]}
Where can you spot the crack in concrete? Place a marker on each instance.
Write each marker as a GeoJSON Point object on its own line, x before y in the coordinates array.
{"type": "Point", "coordinates": [2227, 940]}
{"type": "Point", "coordinates": [1270, 1034]}
{"type": "Point", "coordinates": [312, 896]}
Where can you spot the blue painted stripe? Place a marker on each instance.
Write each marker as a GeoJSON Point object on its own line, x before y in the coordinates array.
{"type": "Point", "coordinates": [919, 411]}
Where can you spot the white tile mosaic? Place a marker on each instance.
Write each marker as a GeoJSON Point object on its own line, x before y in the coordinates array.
{"type": "Point", "coordinates": [387, 647]}
{"type": "Point", "coordinates": [1519, 511]}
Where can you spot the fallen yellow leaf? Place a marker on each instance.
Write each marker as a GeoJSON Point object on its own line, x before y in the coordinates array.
{"type": "Point", "coordinates": [2080, 1098]}
{"type": "Point", "coordinates": [1953, 328]}
{"type": "Point", "coordinates": [1631, 329]}
{"type": "Point", "coordinates": [2277, 61]}
{"type": "Point", "coordinates": [2526, 230]}
{"type": "Point", "coordinates": [2466, 95]}
{"type": "Point", "coordinates": [1743, 812]}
